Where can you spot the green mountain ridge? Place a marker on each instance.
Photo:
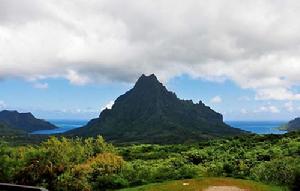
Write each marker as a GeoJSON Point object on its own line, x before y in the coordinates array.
{"type": "Point", "coordinates": [149, 113]}
{"type": "Point", "coordinates": [24, 121]}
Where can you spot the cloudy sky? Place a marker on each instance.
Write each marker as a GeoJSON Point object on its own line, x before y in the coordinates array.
{"type": "Point", "coordinates": [71, 58]}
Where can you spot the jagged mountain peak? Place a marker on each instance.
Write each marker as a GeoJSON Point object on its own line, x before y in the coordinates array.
{"type": "Point", "coordinates": [149, 113]}
{"type": "Point", "coordinates": [147, 90]}
{"type": "Point", "coordinates": [149, 77]}
{"type": "Point", "coordinates": [150, 81]}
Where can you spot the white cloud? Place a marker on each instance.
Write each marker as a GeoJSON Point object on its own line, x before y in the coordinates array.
{"type": "Point", "coordinates": [268, 109]}
{"type": "Point", "coordinates": [276, 94]}
{"type": "Point", "coordinates": [253, 43]}
{"type": "Point", "coordinates": [76, 78]}
{"type": "Point", "coordinates": [39, 85]}
{"type": "Point", "coordinates": [78, 110]}
{"type": "Point", "coordinates": [108, 105]}
{"type": "Point", "coordinates": [289, 106]}
{"type": "Point", "coordinates": [244, 111]}
{"type": "Point", "coordinates": [2, 105]}
{"type": "Point", "coordinates": [274, 109]}
{"type": "Point", "coordinates": [216, 99]}
{"type": "Point", "coordinates": [244, 98]}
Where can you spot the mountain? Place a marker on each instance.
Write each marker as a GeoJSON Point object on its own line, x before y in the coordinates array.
{"type": "Point", "coordinates": [24, 121]}
{"type": "Point", "coordinates": [149, 113]}
{"type": "Point", "coordinates": [8, 131]}
{"type": "Point", "coordinates": [293, 125]}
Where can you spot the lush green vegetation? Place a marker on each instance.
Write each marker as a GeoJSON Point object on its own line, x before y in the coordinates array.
{"type": "Point", "coordinates": [21, 139]}
{"type": "Point", "coordinates": [93, 164]}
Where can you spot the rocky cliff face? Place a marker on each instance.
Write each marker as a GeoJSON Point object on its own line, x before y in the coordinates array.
{"type": "Point", "coordinates": [149, 113]}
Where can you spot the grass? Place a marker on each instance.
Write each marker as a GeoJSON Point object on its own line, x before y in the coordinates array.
{"type": "Point", "coordinates": [203, 183]}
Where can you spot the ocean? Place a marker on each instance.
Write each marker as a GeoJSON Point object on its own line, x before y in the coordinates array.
{"type": "Point", "coordinates": [259, 127]}
{"type": "Point", "coordinates": [63, 126]}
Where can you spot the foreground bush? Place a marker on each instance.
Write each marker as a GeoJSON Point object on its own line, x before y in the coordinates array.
{"type": "Point", "coordinates": [142, 172]}
{"type": "Point", "coordinates": [284, 171]}
{"type": "Point", "coordinates": [45, 164]}
{"type": "Point", "coordinates": [99, 172]}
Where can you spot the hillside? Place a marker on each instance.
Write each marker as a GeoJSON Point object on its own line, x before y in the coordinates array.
{"type": "Point", "coordinates": [149, 113]}
{"type": "Point", "coordinates": [293, 125]}
{"type": "Point", "coordinates": [8, 131]}
{"type": "Point", "coordinates": [24, 121]}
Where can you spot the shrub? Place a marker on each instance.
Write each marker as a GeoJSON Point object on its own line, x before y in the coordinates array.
{"type": "Point", "coordinates": [279, 171]}
{"type": "Point", "coordinates": [54, 161]}
{"type": "Point", "coordinates": [11, 161]}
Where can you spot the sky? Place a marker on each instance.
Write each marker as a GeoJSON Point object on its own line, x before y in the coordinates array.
{"type": "Point", "coordinates": [70, 59]}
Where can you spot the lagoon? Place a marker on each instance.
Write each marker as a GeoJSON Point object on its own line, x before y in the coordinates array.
{"type": "Point", "coordinates": [259, 127]}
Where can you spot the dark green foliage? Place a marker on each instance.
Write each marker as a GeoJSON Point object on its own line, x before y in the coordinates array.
{"type": "Point", "coordinates": [23, 139]}
{"type": "Point", "coordinates": [9, 163]}
{"type": "Point", "coordinates": [113, 181]}
{"type": "Point", "coordinates": [272, 159]}
{"type": "Point", "coordinates": [149, 113]}
{"type": "Point", "coordinates": [173, 168]}
{"type": "Point", "coordinates": [5, 130]}
{"type": "Point", "coordinates": [24, 121]}
{"type": "Point", "coordinates": [277, 171]}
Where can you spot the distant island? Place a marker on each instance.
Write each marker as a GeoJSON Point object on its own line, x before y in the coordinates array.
{"type": "Point", "coordinates": [149, 113]}
{"type": "Point", "coordinates": [293, 125]}
{"type": "Point", "coordinates": [14, 121]}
